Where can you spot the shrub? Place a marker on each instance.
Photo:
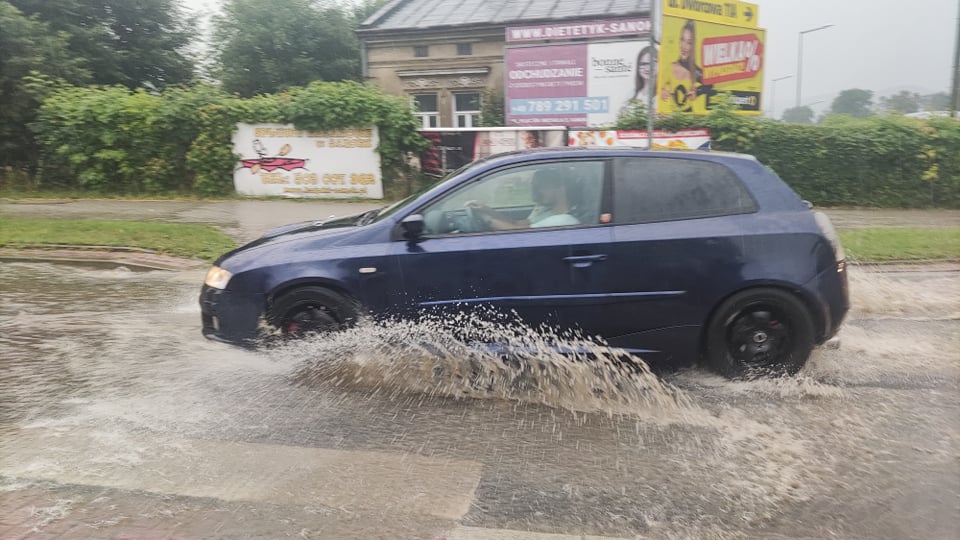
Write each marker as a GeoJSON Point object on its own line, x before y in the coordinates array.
{"type": "Point", "coordinates": [110, 139]}
{"type": "Point", "coordinates": [883, 161]}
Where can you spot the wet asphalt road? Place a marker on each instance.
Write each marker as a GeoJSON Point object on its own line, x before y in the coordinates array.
{"type": "Point", "coordinates": [117, 418]}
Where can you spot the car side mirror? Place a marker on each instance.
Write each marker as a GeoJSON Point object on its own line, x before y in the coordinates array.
{"type": "Point", "coordinates": [412, 227]}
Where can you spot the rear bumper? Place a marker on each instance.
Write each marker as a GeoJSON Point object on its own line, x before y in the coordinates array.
{"type": "Point", "coordinates": [832, 292]}
{"type": "Point", "coordinates": [231, 317]}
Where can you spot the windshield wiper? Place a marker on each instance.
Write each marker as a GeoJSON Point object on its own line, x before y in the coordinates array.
{"type": "Point", "coordinates": [368, 217]}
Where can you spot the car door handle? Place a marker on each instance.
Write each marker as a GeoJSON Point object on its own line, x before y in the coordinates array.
{"type": "Point", "coordinates": [583, 261]}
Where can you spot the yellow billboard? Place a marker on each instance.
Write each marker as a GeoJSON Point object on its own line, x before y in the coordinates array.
{"type": "Point", "coordinates": [698, 60]}
{"type": "Point", "coordinates": [732, 12]}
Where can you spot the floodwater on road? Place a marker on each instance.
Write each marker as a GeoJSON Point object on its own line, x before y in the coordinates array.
{"type": "Point", "coordinates": [118, 418]}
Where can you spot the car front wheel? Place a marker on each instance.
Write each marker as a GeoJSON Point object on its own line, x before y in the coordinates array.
{"type": "Point", "coordinates": [759, 332]}
{"type": "Point", "coordinates": [312, 310]}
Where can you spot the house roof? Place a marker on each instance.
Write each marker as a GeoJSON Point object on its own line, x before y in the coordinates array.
{"type": "Point", "coordinates": [399, 15]}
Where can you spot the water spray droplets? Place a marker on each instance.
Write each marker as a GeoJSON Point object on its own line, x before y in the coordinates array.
{"type": "Point", "coordinates": [484, 358]}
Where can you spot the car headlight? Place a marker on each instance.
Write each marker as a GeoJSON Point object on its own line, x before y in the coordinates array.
{"type": "Point", "coordinates": [217, 277]}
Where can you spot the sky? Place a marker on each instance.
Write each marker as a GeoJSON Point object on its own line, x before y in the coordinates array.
{"type": "Point", "coordinates": [880, 45]}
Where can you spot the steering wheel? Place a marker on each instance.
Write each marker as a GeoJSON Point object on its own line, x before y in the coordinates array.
{"type": "Point", "coordinates": [477, 223]}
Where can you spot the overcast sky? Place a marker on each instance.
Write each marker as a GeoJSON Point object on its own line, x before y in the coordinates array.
{"type": "Point", "coordinates": [879, 45]}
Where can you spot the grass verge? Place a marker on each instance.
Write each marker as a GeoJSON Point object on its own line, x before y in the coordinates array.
{"type": "Point", "coordinates": [904, 244]}
{"type": "Point", "coordinates": [181, 240]}
{"type": "Point", "coordinates": [207, 243]}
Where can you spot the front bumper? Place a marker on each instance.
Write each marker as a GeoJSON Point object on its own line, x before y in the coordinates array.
{"type": "Point", "coordinates": [230, 316]}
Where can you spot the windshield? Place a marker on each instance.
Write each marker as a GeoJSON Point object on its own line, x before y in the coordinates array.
{"type": "Point", "coordinates": [387, 211]}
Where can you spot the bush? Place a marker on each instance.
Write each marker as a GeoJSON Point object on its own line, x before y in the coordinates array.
{"type": "Point", "coordinates": [884, 161]}
{"type": "Point", "coordinates": [111, 139]}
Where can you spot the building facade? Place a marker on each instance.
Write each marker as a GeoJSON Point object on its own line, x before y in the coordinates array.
{"type": "Point", "coordinates": [448, 56]}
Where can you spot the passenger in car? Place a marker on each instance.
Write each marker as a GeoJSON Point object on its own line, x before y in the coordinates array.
{"type": "Point", "coordinates": [551, 193]}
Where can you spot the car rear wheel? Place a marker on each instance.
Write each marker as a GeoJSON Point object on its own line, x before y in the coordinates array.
{"type": "Point", "coordinates": [312, 310]}
{"type": "Point", "coordinates": [759, 332]}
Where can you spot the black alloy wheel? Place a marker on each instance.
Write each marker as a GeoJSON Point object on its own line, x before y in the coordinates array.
{"type": "Point", "coordinates": [759, 332]}
{"type": "Point", "coordinates": [312, 310]}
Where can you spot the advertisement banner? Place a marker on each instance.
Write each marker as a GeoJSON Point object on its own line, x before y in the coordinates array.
{"type": "Point", "coordinates": [280, 160]}
{"type": "Point", "coordinates": [700, 59]}
{"type": "Point", "coordinates": [688, 139]}
{"type": "Point", "coordinates": [577, 85]}
{"type": "Point", "coordinates": [579, 30]}
{"type": "Point", "coordinates": [732, 12]}
{"type": "Point", "coordinates": [454, 148]}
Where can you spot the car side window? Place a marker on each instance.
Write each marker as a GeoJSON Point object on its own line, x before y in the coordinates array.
{"type": "Point", "coordinates": [665, 189]}
{"type": "Point", "coordinates": [542, 195]}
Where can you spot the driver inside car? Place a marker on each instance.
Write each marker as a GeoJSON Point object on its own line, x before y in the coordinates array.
{"type": "Point", "coordinates": [552, 205]}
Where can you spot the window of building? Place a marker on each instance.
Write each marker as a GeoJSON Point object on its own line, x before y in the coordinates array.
{"type": "Point", "coordinates": [421, 51]}
{"type": "Point", "coordinates": [662, 189]}
{"type": "Point", "coordinates": [466, 109]}
{"type": "Point", "coordinates": [427, 110]}
{"type": "Point", "coordinates": [464, 49]}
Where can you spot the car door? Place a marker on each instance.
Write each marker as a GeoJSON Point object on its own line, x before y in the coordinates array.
{"type": "Point", "coordinates": [671, 237]}
{"type": "Point", "coordinates": [540, 274]}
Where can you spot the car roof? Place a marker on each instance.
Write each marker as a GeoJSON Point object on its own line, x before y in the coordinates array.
{"type": "Point", "coordinates": [563, 152]}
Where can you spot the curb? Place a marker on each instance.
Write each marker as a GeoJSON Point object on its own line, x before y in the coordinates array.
{"type": "Point", "coordinates": [132, 258]}
{"type": "Point", "coordinates": [937, 265]}
{"type": "Point", "coordinates": [144, 259]}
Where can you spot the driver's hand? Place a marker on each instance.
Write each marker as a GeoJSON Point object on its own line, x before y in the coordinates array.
{"type": "Point", "coordinates": [475, 205]}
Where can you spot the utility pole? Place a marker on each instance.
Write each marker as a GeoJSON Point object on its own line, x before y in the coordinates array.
{"type": "Point", "coordinates": [654, 71]}
{"type": "Point", "coordinates": [955, 94]}
{"type": "Point", "coordinates": [800, 56]}
{"type": "Point", "coordinates": [773, 95]}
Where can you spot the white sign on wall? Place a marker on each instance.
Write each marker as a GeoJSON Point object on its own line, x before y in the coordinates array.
{"type": "Point", "coordinates": [280, 160]}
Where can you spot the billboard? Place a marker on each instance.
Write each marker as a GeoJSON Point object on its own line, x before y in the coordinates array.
{"type": "Point", "coordinates": [451, 149]}
{"type": "Point", "coordinates": [280, 160]}
{"type": "Point", "coordinates": [688, 139]}
{"type": "Point", "coordinates": [699, 59]}
{"type": "Point", "coordinates": [579, 30]}
{"type": "Point", "coordinates": [732, 12]}
{"type": "Point", "coordinates": [576, 85]}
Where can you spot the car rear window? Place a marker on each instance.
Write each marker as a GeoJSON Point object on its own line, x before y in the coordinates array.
{"type": "Point", "coordinates": [666, 189]}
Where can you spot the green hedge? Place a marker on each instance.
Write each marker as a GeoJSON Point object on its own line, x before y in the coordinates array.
{"type": "Point", "coordinates": [113, 140]}
{"type": "Point", "coordinates": [883, 161]}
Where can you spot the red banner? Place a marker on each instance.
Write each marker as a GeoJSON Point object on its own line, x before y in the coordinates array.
{"type": "Point", "coordinates": [731, 58]}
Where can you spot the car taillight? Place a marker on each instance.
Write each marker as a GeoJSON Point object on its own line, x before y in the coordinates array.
{"type": "Point", "coordinates": [826, 226]}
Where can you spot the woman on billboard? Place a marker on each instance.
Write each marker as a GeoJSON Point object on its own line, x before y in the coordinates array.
{"type": "Point", "coordinates": [683, 85]}
{"type": "Point", "coordinates": [643, 80]}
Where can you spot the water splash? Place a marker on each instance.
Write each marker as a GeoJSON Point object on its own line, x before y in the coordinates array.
{"type": "Point", "coordinates": [875, 294]}
{"type": "Point", "coordinates": [465, 356]}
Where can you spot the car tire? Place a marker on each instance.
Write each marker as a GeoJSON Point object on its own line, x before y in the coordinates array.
{"type": "Point", "coordinates": [312, 310]}
{"type": "Point", "coordinates": [759, 332]}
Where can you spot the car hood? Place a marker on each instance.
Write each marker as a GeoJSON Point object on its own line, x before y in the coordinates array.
{"type": "Point", "coordinates": [317, 234]}
{"type": "Point", "coordinates": [303, 226]}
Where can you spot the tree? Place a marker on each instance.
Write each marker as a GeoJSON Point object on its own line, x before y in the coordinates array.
{"type": "Point", "coordinates": [854, 102]}
{"type": "Point", "coordinates": [32, 59]}
{"type": "Point", "coordinates": [798, 115]}
{"type": "Point", "coordinates": [903, 102]}
{"type": "Point", "coordinates": [366, 8]}
{"type": "Point", "coordinates": [935, 102]}
{"type": "Point", "coordinates": [129, 42]}
{"type": "Point", "coordinates": [266, 47]}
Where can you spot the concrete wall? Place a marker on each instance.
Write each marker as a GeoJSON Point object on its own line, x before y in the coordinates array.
{"type": "Point", "coordinates": [392, 65]}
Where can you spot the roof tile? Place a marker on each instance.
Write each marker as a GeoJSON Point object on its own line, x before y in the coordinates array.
{"type": "Point", "coordinates": [414, 14]}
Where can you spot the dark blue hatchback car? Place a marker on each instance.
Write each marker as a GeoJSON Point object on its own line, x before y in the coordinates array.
{"type": "Point", "coordinates": [675, 256]}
